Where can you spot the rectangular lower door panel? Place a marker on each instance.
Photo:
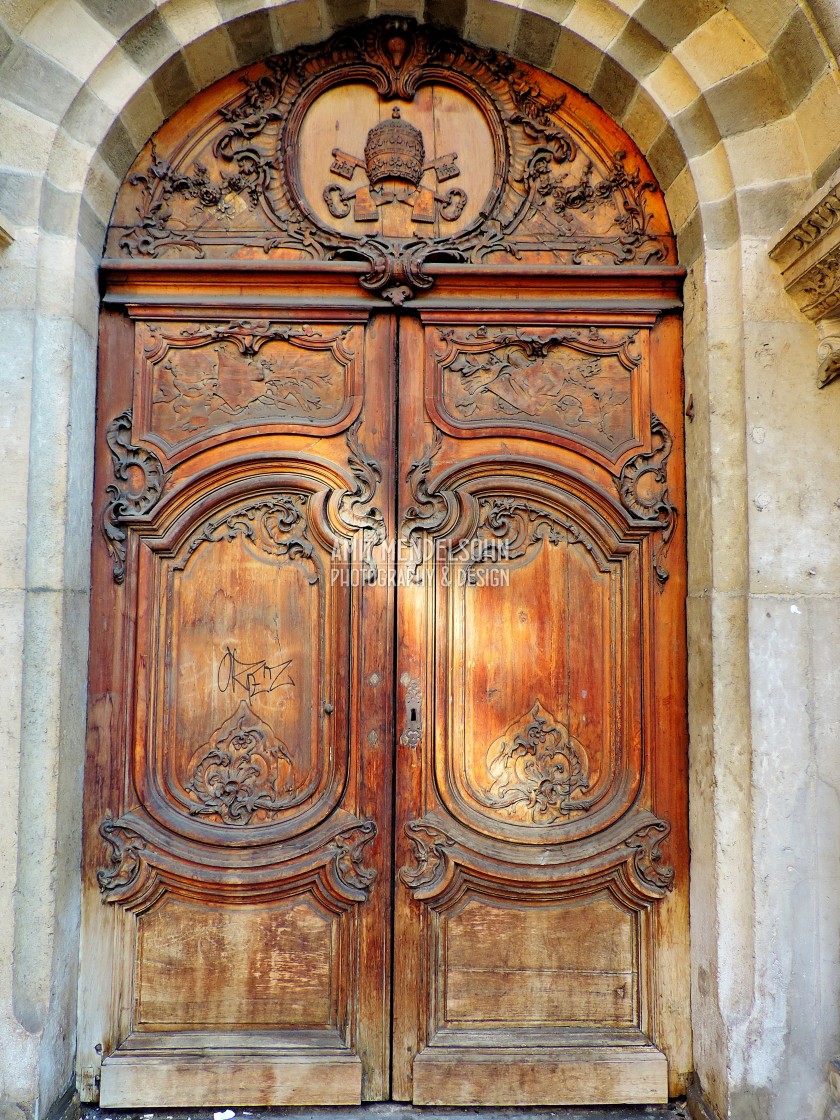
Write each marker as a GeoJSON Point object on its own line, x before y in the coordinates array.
{"type": "Point", "coordinates": [451, 1075]}
{"type": "Point", "coordinates": [253, 1071]}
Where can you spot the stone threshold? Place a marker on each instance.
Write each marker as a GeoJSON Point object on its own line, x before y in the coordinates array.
{"type": "Point", "coordinates": [395, 1111]}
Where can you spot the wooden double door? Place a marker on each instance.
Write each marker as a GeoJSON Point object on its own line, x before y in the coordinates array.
{"type": "Point", "coordinates": [386, 778]}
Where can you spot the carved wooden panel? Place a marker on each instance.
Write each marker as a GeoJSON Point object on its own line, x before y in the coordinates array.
{"type": "Point", "coordinates": [532, 751]}
{"type": "Point", "coordinates": [236, 967]}
{"type": "Point", "coordinates": [206, 381]}
{"type": "Point", "coordinates": [238, 813]}
{"type": "Point", "coordinates": [392, 145]}
{"type": "Point", "coordinates": [316, 638]}
{"type": "Point", "coordinates": [578, 388]}
{"type": "Point", "coordinates": [538, 965]}
{"type": "Point", "coordinates": [249, 637]}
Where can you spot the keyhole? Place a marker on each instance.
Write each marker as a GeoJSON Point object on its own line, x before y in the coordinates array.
{"type": "Point", "coordinates": [413, 715]}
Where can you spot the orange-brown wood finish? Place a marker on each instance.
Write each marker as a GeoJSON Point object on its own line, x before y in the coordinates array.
{"type": "Point", "coordinates": [387, 690]}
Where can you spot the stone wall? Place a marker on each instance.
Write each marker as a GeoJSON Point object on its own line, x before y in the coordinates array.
{"type": "Point", "coordinates": [737, 107]}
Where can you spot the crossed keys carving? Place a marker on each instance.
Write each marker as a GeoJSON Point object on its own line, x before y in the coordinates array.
{"type": "Point", "coordinates": [394, 165]}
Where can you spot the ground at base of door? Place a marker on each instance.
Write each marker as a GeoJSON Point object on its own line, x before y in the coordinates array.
{"type": "Point", "coordinates": [395, 1111]}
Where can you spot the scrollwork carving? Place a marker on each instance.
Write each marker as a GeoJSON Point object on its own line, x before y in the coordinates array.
{"type": "Point", "coordinates": [275, 526]}
{"type": "Point", "coordinates": [431, 859]}
{"type": "Point", "coordinates": [509, 527]}
{"type": "Point", "coordinates": [646, 845]}
{"type": "Point", "coordinates": [428, 511]}
{"type": "Point", "coordinates": [356, 508]}
{"type": "Point", "coordinates": [130, 497]}
{"type": "Point", "coordinates": [125, 860]}
{"type": "Point", "coordinates": [244, 770]}
{"type": "Point", "coordinates": [348, 848]}
{"type": "Point", "coordinates": [643, 489]}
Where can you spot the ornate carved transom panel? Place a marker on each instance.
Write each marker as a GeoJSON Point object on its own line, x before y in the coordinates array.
{"type": "Point", "coordinates": [393, 145]}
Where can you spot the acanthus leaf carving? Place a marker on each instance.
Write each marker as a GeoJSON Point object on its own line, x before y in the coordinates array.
{"type": "Point", "coordinates": [124, 860]}
{"type": "Point", "coordinates": [431, 859]}
{"type": "Point", "coordinates": [355, 507]}
{"type": "Point", "coordinates": [348, 852]}
{"type": "Point", "coordinates": [244, 770]}
{"type": "Point", "coordinates": [127, 499]}
{"type": "Point", "coordinates": [429, 510]}
{"type": "Point", "coordinates": [538, 769]}
{"type": "Point", "coordinates": [275, 526]}
{"type": "Point", "coordinates": [646, 845]}
{"type": "Point", "coordinates": [643, 489]}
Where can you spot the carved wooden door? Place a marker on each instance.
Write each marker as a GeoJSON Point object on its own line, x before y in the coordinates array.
{"type": "Point", "coordinates": [387, 667]}
{"type": "Point", "coordinates": [248, 812]}
{"type": "Point", "coordinates": [539, 662]}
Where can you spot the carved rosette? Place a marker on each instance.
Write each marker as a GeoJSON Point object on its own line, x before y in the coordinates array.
{"type": "Point", "coordinates": [551, 189]}
{"type": "Point", "coordinates": [140, 481]}
{"type": "Point", "coordinates": [643, 489]}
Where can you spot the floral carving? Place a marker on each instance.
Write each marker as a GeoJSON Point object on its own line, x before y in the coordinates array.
{"type": "Point", "coordinates": [431, 859]}
{"type": "Point", "coordinates": [643, 488]}
{"type": "Point", "coordinates": [538, 769]}
{"type": "Point", "coordinates": [130, 497]}
{"type": "Point", "coordinates": [274, 526]}
{"type": "Point", "coordinates": [244, 770]}
{"type": "Point", "coordinates": [550, 193]}
{"type": "Point", "coordinates": [348, 848]}
{"type": "Point", "coordinates": [124, 860]}
{"type": "Point", "coordinates": [647, 854]}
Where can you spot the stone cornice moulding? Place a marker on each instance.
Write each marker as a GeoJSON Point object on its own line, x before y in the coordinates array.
{"type": "Point", "coordinates": [808, 255]}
